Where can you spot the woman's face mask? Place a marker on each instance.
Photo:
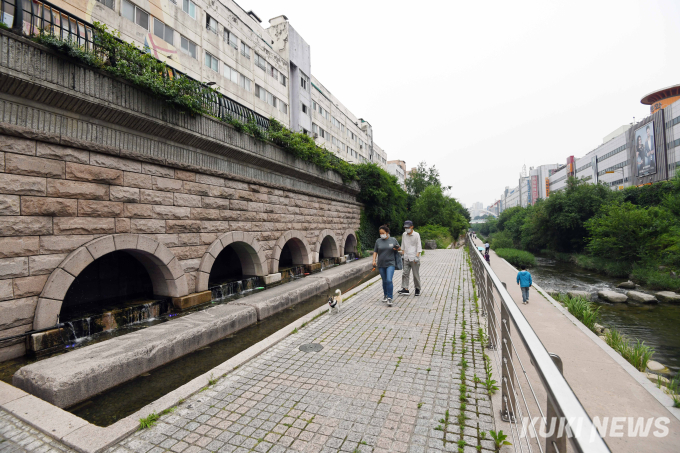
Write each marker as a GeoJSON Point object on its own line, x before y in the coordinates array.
{"type": "Point", "coordinates": [383, 235]}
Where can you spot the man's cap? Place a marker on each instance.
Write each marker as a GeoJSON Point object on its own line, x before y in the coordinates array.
{"type": "Point", "coordinates": [408, 223]}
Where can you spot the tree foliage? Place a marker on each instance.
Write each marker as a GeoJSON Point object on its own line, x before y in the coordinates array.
{"type": "Point", "coordinates": [433, 207]}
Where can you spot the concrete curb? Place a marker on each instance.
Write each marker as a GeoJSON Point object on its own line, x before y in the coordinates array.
{"type": "Point", "coordinates": [639, 377]}
{"type": "Point", "coordinates": [88, 438]}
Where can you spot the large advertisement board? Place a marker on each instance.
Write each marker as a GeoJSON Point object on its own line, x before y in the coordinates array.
{"type": "Point", "coordinates": [645, 150]}
{"type": "Point", "coordinates": [534, 189]}
{"type": "Point", "coordinates": [547, 187]}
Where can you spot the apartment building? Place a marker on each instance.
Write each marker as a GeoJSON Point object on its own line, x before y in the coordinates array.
{"type": "Point", "coordinates": [267, 70]}
{"type": "Point", "coordinates": [398, 169]}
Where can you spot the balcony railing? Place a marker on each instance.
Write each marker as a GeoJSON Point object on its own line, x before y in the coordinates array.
{"type": "Point", "coordinates": [36, 16]}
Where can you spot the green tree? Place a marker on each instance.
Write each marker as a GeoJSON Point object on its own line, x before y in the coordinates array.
{"type": "Point", "coordinates": [421, 178]}
{"type": "Point", "coordinates": [433, 207]}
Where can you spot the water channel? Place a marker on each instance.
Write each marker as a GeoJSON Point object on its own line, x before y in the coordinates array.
{"type": "Point", "coordinates": [658, 325]}
{"type": "Point", "coordinates": [119, 402]}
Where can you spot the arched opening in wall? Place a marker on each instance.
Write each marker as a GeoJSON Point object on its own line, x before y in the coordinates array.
{"type": "Point", "coordinates": [328, 251]}
{"type": "Point", "coordinates": [351, 247]}
{"type": "Point", "coordinates": [113, 291]}
{"type": "Point", "coordinates": [293, 258]}
{"type": "Point", "coordinates": [234, 271]}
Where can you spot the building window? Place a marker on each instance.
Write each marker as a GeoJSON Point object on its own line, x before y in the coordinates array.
{"type": "Point", "coordinates": [265, 95]}
{"type": "Point", "coordinates": [212, 62]}
{"type": "Point", "coordinates": [244, 82]}
{"type": "Point", "coordinates": [188, 47]}
{"type": "Point", "coordinates": [260, 62]}
{"type": "Point", "coordinates": [109, 3]}
{"type": "Point", "coordinates": [230, 38]}
{"type": "Point", "coordinates": [189, 7]}
{"type": "Point", "coordinates": [245, 50]}
{"type": "Point", "coordinates": [131, 12]}
{"type": "Point", "coordinates": [164, 32]}
{"type": "Point", "coordinates": [304, 108]}
{"type": "Point", "coordinates": [273, 72]}
{"type": "Point", "coordinates": [231, 74]}
{"type": "Point", "coordinates": [283, 79]}
{"type": "Point", "coordinates": [283, 107]}
{"type": "Point", "coordinates": [314, 105]}
{"type": "Point", "coordinates": [304, 82]}
{"type": "Point", "coordinates": [210, 23]}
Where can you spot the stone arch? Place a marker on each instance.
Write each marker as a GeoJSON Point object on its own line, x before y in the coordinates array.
{"type": "Point", "coordinates": [331, 248]}
{"type": "Point", "coordinates": [248, 249]}
{"type": "Point", "coordinates": [300, 249]}
{"type": "Point", "coordinates": [348, 246]}
{"type": "Point", "coordinates": [165, 272]}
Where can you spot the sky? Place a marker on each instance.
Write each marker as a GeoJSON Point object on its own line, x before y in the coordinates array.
{"type": "Point", "coordinates": [479, 89]}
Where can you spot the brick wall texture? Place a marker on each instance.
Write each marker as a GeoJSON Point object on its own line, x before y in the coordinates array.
{"type": "Point", "coordinates": [54, 199]}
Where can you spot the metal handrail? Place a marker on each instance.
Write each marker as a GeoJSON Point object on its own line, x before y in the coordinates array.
{"type": "Point", "coordinates": [585, 437]}
{"type": "Point", "coordinates": [35, 16]}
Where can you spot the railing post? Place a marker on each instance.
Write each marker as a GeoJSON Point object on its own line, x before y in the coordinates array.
{"type": "Point", "coordinates": [18, 25]}
{"type": "Point", "coordinates": [508, 372]}
{"type": "Point", "coordinates": [490, 311]}
{"type": "Point", "coordinates": [557, 441]}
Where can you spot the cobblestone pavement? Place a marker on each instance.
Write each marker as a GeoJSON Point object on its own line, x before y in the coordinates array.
{"type": "Point", "coordinates": [407, 378]}
{"type": "Point", "coordinates": [17, 437]}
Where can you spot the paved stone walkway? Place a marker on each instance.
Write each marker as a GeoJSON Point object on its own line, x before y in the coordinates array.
{"type": "Point", "coordinates": [17, 437]}
{"type": "Point", "coordinates": [387, 379]}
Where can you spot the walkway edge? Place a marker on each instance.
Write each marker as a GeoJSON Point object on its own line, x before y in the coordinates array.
{"type": "Point", "coordinates": [88, 438]}
{"type": "Point", "coordinates": [665, 400]}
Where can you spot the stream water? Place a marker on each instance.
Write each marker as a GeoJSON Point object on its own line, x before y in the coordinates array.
{"type": "Point", "coordinates": [119, 402]}
{"type": "Point", "coordinates": [658, 325]}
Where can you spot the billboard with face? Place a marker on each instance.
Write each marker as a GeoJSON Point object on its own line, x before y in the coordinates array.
{"type": "Point", "coordinates": [645, 150]}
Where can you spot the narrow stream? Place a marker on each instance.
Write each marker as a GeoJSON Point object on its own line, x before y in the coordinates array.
{"type": "Point", "coordinates": [658, 325]}
{"type": "Point", "coordinates": [119, 402]}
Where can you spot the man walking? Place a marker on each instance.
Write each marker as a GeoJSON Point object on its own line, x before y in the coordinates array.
{"type": "Point", "coordinates": [411, 248]}
{"type": "Point", "coordinates": [487, 246]}
{"type": "Point", "coordinates": [525, 282]}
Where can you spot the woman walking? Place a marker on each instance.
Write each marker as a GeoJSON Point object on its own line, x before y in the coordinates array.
{"type": "Point", "coordinates": [384, 257]}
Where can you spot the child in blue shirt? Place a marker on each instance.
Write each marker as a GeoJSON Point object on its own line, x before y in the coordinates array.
{"type": "Point", "coordinates": [524, 281]}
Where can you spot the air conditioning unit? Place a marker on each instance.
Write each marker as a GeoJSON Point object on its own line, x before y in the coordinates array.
{"type": "Point", "coordinates": [316, 135]}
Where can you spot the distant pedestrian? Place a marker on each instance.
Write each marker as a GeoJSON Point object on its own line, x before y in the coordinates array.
{"type": "Point", "coordinates": [411, 249]}
{"type": "Point", "coordinates": [525, 282]}
{"type": "Point", "coordinates": [384, 257]}
{"type": "Point", "coordinates": [487, 247]}
{"type": "Point", "coordinates": [487, 257]}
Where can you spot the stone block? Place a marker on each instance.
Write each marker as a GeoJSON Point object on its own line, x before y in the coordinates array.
{"type": "Point", "coordinates": [157, 170]}
{"type": "Point", "coordinates": [583, 294]}
{"type": "Point", "coordinates": [612, 296]}
{"type": "Point", "coordinates": [91, 173]}
{"type": "Point", "coordinates": [272, 278]}
{"type": "Point", "coordinates": [6, 289]}
{"type": "Point", "coordinates": [191, 265]}
{"type": "Point", "coordinates": [215, 203]}
{"type": "Point", "coordinates": [48, 206]}
{"type": "Point", "coordinates": [22, 185]}
{"type": "Point", "coordinates": [171, 213]}
{"type": "Point", "coordinates": [192, 300]}
{"type": "Point", "coordinates": [90, 208]}
{"type": "Point", "coordinates": [187, 239]}
{"type": "Point", "coordinates": [10, 205]}
{"type": "Point", "coordinates": [118, 163]}
{"type": "Point", "coordinates": [231, 215]}
{"type": "Point", "coordinates": [668, 296]}
{"type": "Point", "coordinates": [626, 285]}
{"type": "Point", "coordinates": [205, 214]}
{"type": "Point", "coordinates": [210, 226]}
{"type": "Point", "coordinates": [122, 225]}
{"type": "Point", "coordinates": [34, 166]}
{"type": "Point", "coordinates": [62, 244]}
{"type": "Point", "coordinates": [313, 268]}
{"type": "Point", "coordinates": [57, 285]}
{"type": "Point", "coordinates": [208, 238]}
{"type": "Point", "coordinates": [166, 184]}
{"type": "Point", "coordinates": [77, 189]}
{"type": "Point", "coordinates": [147, 226]}
{"type": "Point", "coordinates": [192, 201]}
{"type": "Point", "coordinates": [209, 179]}
{"type": "Point", "coordinates": [44, 264]}
{"type": "Point", "coordinates": [197, 189]}
{"type": "Point", "coordinates": [25, 225]}
{"type": "Point", "coordinates": [222, 192]}
{"type": "Point", "coordinates": [185, 175]}
{"type": "Point", "coordinates": [255, 207]}
{"type": "Point", "coordinates": [29, 286]}
{"type": "Point", "coordinates": [156, 197]}
{"type": "Point", "coordinates": [202, 279]}
{"type": "Point", "coordinates": [64, 381]}
{"type": "Point", "coordinates": [59, 152]}
{"type": "Point", "coordinates": [186, 253]}
{"type": "Point", "coordinates": [639, 296]}
{"type": "Point", "coordinates": [237, 185]}
{"type": "Point", "coordinates": [138, 180]}
{"type": "Point", "coordinates": [168, 240]}
{"type": "Point", "coordinates": [84, 225]}
{"type": "Point", "coordinates": [124, 194]}
{"type": "Point", "coordinates": [17, 145]}
{"type": "Point", "coordinates": [17, 312]}
{"type": "Point", "coordinates": [100, 247]}
{"type": "Point", "coordinates": [147, 244]}
{"type": "Point", "coordinates": [77, 261]}
{"type": "Point", "coordinates": [138, 210]}
{"type": "Point", "coordinates": [46, 313]}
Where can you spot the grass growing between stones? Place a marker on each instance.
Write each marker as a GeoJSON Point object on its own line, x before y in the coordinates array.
{"type": "Point", "coordinates": [151, 419]}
